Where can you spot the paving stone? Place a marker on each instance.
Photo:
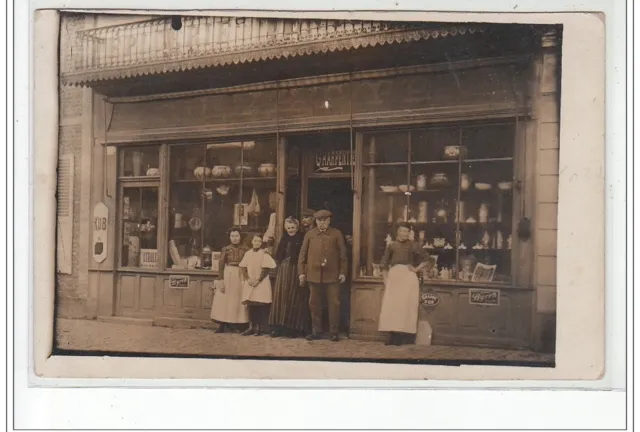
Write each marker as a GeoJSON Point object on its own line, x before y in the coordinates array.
{"type": "Point", "coordinates": [116, 337]}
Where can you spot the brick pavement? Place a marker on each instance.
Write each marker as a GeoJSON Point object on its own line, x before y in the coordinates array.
{"type": "Point", "coordinates": [87, 335]}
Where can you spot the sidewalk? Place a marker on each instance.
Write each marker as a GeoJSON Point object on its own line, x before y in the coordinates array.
{"type": "Point", "coordinates": [84, 335]}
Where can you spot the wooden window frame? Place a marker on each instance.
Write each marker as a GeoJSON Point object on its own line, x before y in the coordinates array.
{"type": "Point", "coordinates": [519, 167]}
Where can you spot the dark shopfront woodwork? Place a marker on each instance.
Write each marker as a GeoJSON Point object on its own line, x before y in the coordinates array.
{"type": "Point", "coordinates": [430, 93]}
{"type": "Point", "coordinates": [484, 91]}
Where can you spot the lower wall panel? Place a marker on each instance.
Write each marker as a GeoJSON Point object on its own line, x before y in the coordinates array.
{"type": "Point", "coordinates": [454, 319]}
{"type": "Point", "coordinates": [153, 296]}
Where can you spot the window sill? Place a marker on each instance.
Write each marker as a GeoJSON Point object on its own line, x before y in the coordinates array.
{"type": "Point", "coordinates": [450, 283]}
{"type": "Point", "coordinates": [194, 272]}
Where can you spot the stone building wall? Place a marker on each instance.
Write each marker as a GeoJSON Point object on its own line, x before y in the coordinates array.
{"type": "Point", "coordinates": [70, 297]}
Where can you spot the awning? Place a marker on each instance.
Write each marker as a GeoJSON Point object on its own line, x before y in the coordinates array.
{"type": "Point", "coordinates": [153, 47]}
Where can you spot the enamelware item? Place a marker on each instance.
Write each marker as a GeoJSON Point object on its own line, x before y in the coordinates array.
{"type": "Point", "coordinates": [421, 182]}
{"type": "Point", "coordinates": [439, 179]}
{"type": "Point", "coordinates": [198, 173]}
{"type": "Point", "coordinates": [266, 169]}
{"type": "Point", "coordinates": [483, 213]}
{"type": "Point", "coordinates": [221, 171]}
{"type": "Point", "coordinates": [454, 152]}
{"type": "Point", "coordinates": [423, 211]}
{"type": "Point", "coordinates": [505, 186]}
{"type": "Point", "coordinates": [483, 186]}
{"type": "Point", "coordinates": [223, 190]}
{"type": "Point", "coordinates": [465, 182]}
{"type": "Point", "coordinates": [244, 169]}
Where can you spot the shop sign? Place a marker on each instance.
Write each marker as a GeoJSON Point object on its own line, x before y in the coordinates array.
{"type": "Point", "coordinates": [485, 297]}
{"type": "Point", "coordinates": [429, 299]}
{"type": "Point", "coordinates": [334, 161]}
{"type": "Point", "coordinates": [179, 281]}
{"type": "Point", "coordinates": [100, 224]}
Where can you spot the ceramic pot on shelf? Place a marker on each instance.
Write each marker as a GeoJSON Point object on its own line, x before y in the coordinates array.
{"type": "Point", "coordinates": [421, 182]}
{"type": "Point", "coordinates": [266, 169]}
{"type": "Point", "coordinates": [465, 182]}
{"type": "Point", "coordinates": [483, 213]}
{"type": "Point", "coordinates": [198, 173]}
{"type": "Point", "coordinates": [423, 211]}
{"type": "Point", "coordinates": [441, 214]}
{"type": "Point", "coordinates": [221, 171]}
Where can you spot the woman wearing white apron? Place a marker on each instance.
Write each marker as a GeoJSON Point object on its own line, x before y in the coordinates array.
{"type": "Point", "coordinates": [403, 259]}
{"type": "Point", "coordinates": [227, 307]}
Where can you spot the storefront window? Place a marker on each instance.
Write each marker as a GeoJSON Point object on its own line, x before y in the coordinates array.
{"type": "Point", "coordinates": [214, 187]}
{"type": "Point", "coordinates": [454, 185]}
{"type": "Point", "coordinates": [140, 227]}
{"type": "Point", "coordinates": [140, 162]}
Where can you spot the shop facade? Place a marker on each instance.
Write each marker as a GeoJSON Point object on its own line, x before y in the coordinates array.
{"type": "Point", "coordinates": [451, 142]}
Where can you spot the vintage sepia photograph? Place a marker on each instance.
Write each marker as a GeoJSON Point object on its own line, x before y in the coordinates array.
{"type": "Point", "coordinates": [248, 187]}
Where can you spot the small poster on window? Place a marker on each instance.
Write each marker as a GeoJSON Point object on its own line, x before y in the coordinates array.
{"type": "Point", "coordinates": [241, 214]}
{"type": "Point", "coordinates": [483, 273]}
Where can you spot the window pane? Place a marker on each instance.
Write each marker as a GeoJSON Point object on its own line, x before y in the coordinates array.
{"type": "Point", "coordinates": [383, 204]}
{"type": "Point", "coordinates": [486, 193]}
{"type": "Point", "coordinates": [435, 174]}
{"type": "Point", "coordinates": [140, 162]}
{"type": "Point", "coordinates": [435, 144]}
{"type": "Point", "coordinates": [257, 198]}
{"type": "Point", "coordinates": [214, 187]}
{"type": "Point", "coordinates": [489, 141]}
{"type": "Point", "coordinates": [386, 147]}
{"type": "Point", "coordinates": [140, 222]}
{"type": "Point", "coordinates": [460, 199]}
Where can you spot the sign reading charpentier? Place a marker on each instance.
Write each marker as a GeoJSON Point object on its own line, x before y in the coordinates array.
{"type": "Point", "coordinates": [335, 161]}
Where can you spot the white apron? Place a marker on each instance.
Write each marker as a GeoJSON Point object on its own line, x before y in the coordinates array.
{"type": "Point", "coordinates": [227, 306]}
{"type": "Point", "coordinates": [400, 302]}
{"type": "Point", "coordinates": [254, 262]}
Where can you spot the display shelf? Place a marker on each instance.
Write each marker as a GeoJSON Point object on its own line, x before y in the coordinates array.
{"type": "Point", "coordinates": [225, 180]}
{"type": "Point", "coordinates": [144, 178]}
{"type": "Point", "coordinates": [436, 162]}
{"type": "Point", "coordinates": [501, 159]}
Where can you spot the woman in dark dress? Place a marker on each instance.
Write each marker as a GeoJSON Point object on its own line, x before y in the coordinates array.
{"type": "Point", "coordinates": [289, 314]}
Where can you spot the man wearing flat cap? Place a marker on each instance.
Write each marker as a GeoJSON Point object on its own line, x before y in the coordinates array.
{"type": "Point", "coordinates": [323, 264]}
{"type": "Point", "coordinates": [307, 220]}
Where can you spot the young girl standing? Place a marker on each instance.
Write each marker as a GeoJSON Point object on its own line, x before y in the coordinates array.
{"type": "Point", "coordinates": [227, 307]}
{"type": "Point", "coordinates": [401, 263]}
{"type": "Point", "coordinates": [256, 288]}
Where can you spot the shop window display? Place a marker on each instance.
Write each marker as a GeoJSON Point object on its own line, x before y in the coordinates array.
{"type": "Point", "coordinates": [140, 227]}
{"type": "Point", "coordinates": [214, 187]}
{"type": "Point", "coordinates": [140, 162]}
{"type": "Point", "coordinates": [454, 186]}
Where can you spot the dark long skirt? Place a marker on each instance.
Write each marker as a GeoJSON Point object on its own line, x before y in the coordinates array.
{"type": "Point", "coordinates": [290, 307]}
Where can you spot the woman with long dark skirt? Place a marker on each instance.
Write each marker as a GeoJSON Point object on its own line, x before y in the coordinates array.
{"type": "Point", "coordinates": [289, 315]}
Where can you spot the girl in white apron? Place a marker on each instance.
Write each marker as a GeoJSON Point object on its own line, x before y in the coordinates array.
{"type": "Point", "coordinates": [256, 285]}
{"type": "Point", "coordinates": [401, 263]}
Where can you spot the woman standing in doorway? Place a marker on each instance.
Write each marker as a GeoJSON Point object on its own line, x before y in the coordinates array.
{"type": "Point", "coordinates": [401, 263]}
{"type": "Point", "coordinates": [227, 307]}
{"type": "Point", "coordinates": [290, 309]}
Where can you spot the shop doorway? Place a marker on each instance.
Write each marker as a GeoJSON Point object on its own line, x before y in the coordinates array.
{"type": "Point", "coordinates": [322, 181]}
